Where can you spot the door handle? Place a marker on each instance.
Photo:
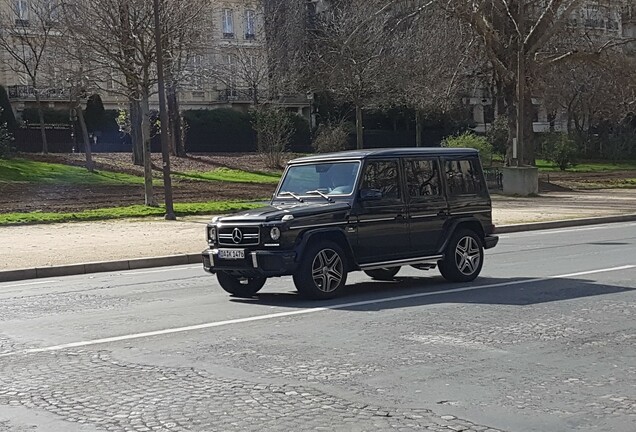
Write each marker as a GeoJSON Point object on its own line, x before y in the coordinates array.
{"type": "Point", "coordinates": [442, 213]}
{"type": "Point", "coordinates": [399, 217]}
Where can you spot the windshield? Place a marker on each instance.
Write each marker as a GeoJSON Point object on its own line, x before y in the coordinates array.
{"type": "Point", "coordinates": [332, 179]}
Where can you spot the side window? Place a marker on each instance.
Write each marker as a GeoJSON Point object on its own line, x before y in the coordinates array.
{"type": "Point", "coordinates": [463, 177]}
{"type": "Point", "coordinates": [383, 176]}
{"type": "Point", "coordinates": [422, 178]}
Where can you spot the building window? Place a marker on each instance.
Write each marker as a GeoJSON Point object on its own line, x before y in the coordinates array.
{"type": "Point", "coordinates": [250, 24]}
{"type": "Point", "coordinates": [228, 24]}
{"type": "Point", "coordinates": [22, 10]}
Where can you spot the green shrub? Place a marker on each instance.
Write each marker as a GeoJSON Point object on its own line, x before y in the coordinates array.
{"type": "Point", "coordinates": [6, 113]}
{"type": "Point", "coordinates": [274, 130]}
{"type": "Point", "coordinates": [560, 149]}
{"type": "Point", "coordinates": [498, 135]}
{"type": "Point", "coordinates": [219, 130]}
{"type": "Point", "coordinates": [331, 137]}
{"type": "Point", "coordinates": [51, 116]}
{"type": "Point", "coordinates": [470, 140]}
{"type": "Point", "coordinates": [6, 141]}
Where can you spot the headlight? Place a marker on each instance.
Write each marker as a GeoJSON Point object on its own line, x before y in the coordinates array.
{"type": "Point", "coordinates": [275, 233]}
{"type": "Point", "coordinates": [211, 234]}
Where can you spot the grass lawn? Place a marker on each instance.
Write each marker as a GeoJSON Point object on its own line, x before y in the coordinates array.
{"type": "Point", "coordinates": [27, 171]}
{"type": "Point", "coordinates": [181, 209]}
{"type": "Point", "coordinates": [232, 175]}
{"type": "Point", "coordinates": [589, 166]}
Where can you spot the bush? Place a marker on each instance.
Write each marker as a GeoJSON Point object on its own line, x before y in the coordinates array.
{"type": "Point", "coordinates": [6, 141]}
{"type": "Point", "coordinates": [470, 140]}
{"type": "Point", "coordinates": [331, 137]}
{"type": "Point", "coordinates": [6, 113]}
{"type": "Point", "coordinates": [219, 130]}
{"type": "Point", "coordinates": [51, 116]}
{"type": "Point", "coordinates": [560, 149]}
{"type": "Point", "coordinates": [274, 130]}
{"type": "Point", "coordinates": [498, 135]}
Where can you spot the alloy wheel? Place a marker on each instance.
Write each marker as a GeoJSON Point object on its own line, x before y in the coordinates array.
{"type": "Point", "coordinates": [467, 255]}
{"type": "Point", "coordinates": [327, 270]}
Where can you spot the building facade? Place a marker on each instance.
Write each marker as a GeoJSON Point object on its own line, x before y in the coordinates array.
{"type": "Point", "coordinates": [228, 70]}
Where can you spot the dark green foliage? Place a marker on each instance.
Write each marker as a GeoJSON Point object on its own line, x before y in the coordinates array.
{"type": "Point", "coordinates": [51, 116]}
{"type": "Point", "coordinates": [301, 136]}
{"type": "Point", "coordinates": [220, 130]}
{"type": "Point", "coordinates": [498, 135]}
{"type": "Point", "coordinates": [95, 115]}
{"type": "Point", "coordinates": [560, 149]}
{"type": "Point", "coordinates": [6, 141]}
{"type": "Point", "coordinates": [6, 113]}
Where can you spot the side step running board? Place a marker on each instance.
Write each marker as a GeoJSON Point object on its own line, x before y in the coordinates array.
{"type": "Point", "coordinates": [410, 261]}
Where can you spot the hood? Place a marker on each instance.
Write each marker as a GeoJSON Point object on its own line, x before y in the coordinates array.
{"type": "Point", "coordinates": [273, 213]}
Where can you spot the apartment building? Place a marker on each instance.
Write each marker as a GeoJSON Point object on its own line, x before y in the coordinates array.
{"type": "Point", "coordinates": [228, 70]}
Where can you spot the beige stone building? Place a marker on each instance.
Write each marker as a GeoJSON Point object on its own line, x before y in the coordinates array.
{"type": "Point", "coordinates": [228, 70]}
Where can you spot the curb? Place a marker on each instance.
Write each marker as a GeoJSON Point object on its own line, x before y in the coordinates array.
{"type": "Point", "coordinates": [174, 260]}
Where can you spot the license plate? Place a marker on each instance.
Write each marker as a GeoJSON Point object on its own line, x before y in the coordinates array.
{"type": "Point", "coordinates": [231, 254]}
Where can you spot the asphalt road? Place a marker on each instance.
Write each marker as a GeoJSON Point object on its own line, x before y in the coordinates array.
{"type": "Point", "coordinates": [545, 340]}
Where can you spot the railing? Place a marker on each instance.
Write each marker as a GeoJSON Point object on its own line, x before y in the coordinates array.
{"type": "Point", "coordinates": [494, 178]}
{"type": "Point", "coordinates": [28, 92]}
{"type": "Point", "coordinates": [236, 95]}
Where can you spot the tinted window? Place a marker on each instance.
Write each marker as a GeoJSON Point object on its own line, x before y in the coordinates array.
{"type": "Point", "coordinates": [382, 176]}
{"type": "Point", "coordinates": [463, 177]}
{"type": "Point", "coordinates": [422, 178]}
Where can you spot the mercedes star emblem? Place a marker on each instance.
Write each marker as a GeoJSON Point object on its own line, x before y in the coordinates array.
{"type": "Point", "coordinates": [237, 236]}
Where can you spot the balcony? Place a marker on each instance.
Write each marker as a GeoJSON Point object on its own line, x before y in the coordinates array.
{"type": "Point", "coordinates": [236, 95]}
{"type": "Point", "coordinates": [25, 92]}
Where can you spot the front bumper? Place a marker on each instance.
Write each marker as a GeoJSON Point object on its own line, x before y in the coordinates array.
{"type": "Point", "coordinates": [490, 241]}
{"type": "Point", "coordinates": [255, 263]}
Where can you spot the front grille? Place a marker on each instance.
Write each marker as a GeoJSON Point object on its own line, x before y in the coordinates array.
{"type": "Point", "coordinates": [239, 236]}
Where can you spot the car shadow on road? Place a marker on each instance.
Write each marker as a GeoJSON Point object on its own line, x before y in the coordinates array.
{"type": "Point", "coordinates": [418, 291]}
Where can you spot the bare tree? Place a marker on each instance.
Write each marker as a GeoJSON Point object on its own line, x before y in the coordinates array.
{"type": "Point", "coordinates": [433, 59]}
{"type": "Point", "coordinates": [349, 62]}
{"type": "Point", "coordinates": [186, 28]}
{"type": "Point", "coordinates": [127, 55]}
{"type": "Point", "coordinates": [26, 28]}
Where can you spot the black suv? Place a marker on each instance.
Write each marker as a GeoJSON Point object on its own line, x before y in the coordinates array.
{"type": "Point", "coordinates": [370, 210]}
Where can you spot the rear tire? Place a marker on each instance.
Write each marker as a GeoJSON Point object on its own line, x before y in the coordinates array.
{"type": "Point", "coordinates": [322, 273]}
{"type": "Point", "coordinates": [240, 287]}
{"type": "Point", "coordinates": [383, 274]}
{"type": "Point", "coordinates": [464, 257]}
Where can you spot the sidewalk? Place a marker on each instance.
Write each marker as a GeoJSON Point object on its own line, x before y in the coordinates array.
{"type": "Point", "coordinates": [43, 246]}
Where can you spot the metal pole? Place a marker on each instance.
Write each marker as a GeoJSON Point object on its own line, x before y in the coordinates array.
{"type": "Point", "coordinates": [163, 115]}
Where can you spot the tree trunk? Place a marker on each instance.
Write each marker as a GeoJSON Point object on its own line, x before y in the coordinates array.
{"type": "Point", "coordinates": [145, 134]}
{"type": "Point", "coordinates": [418, 128]}
{"type": "Point", "coordinates": [359, 128]}
{"type": "Point", "coordinates": [38, 102]}
{"type": "Point", "coordinates": [135, 133]}
{"type": "Point", "coordinates": [87, 141]}
{"type": "Point", "coordinates": [177, 146]}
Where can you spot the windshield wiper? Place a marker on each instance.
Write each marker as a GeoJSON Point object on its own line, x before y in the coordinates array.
{"type": "Point", "coordinates": [321, 194]}
{"type": "Point", "coordinates": [292, 195]}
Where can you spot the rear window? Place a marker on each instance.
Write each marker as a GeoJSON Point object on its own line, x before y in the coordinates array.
{"type": "Point", "coordinates": [463, 177]}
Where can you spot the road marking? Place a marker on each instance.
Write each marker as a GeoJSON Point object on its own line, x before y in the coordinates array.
{"type": "Point", "coordinates": [301, 312]}
{"type": "Point", "coordinates": [28, 284]}
{"type": "Point", "coordinates": [135, 273]}
{"type": "Point", "coordinates": [565, 230]}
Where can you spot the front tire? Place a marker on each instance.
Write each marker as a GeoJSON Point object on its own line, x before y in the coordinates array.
{"type": "Point", "coordinates": [464, 257]}
{"type": "Point", "coordinates": [383, 274]}
{"type": "Point", "coordinates": [240, 287]}
{"type": "Point", "coordinates": [322, 273]}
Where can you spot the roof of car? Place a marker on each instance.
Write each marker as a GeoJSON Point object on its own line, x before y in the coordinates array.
{"type": "Point", "coordinates": [389, 152]}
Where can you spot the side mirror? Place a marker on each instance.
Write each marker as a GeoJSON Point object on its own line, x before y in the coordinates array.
{"type": "Point", "coordinates": [370, 195]}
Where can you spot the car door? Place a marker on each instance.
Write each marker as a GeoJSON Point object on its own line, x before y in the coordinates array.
{"type": "Point", "coordinates": [380, 209]}
{"type": "Point", "coordinates": [428, 209]}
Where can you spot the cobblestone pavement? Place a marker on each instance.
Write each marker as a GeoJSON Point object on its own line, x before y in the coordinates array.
{"type": "Point", "coordinates": [543, 356]}
{"type": "Point", "coordinates": [138, 397]}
